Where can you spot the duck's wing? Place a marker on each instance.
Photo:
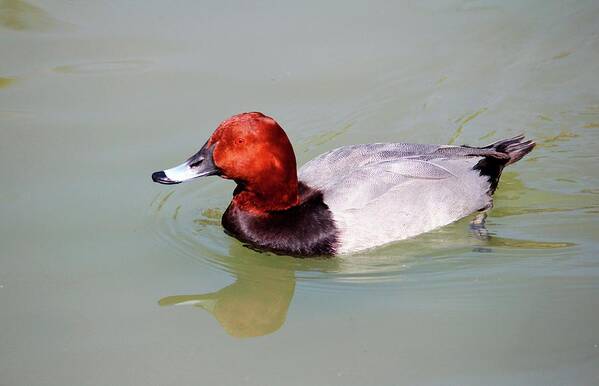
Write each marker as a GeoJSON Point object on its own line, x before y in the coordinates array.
{"type": "Point", "coordinates": [362, 185]}
{"type": "Point", "coordinates": [340, 163]}
{"type": "Point", "coordinates": [384, 192]}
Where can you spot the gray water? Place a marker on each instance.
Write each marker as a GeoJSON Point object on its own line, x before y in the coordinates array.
{"type": "Point", "coordinates": [109, 279]}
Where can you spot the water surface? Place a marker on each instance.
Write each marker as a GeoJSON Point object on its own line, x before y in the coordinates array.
{"type": "Point", "coordinates": [107, 278]}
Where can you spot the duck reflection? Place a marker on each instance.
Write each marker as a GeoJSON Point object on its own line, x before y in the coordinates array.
{"type": "Point", "coordinates": [254, 305]}
{"type": "Point", "coordinates": [19, 15]}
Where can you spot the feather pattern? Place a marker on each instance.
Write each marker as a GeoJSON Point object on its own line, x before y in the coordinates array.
{"type": "Point", "coordinates": [383, 192]}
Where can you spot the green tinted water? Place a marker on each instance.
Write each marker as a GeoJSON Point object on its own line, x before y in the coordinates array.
{"type": "Point", "coordinates": [96, 96]}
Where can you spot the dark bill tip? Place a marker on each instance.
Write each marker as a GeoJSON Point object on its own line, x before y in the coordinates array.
{"type": "Point", "coordinates": [161, 178]}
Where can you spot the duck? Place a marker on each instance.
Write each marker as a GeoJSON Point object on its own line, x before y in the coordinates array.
{"type": "Point", "coordinates": [349, 199]}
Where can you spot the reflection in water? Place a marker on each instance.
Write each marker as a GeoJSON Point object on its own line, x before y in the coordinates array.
{"type": "Point", "coordinates": [5, 82]}
{"type": "Point", "coordinates": [115, 66]}
{"type": "Point", "coordinates": [527, 244]}
{"type": "Point", "coordinates": [323, 137]}
{"type": "Point", "coordinates": [516, 199]}
{"type": "Point", "coordinates": [461, 122]}
{"type": "Point", "coordinates": [254, 305]}
{"type": "Point", "coordinates": [553, 140]}
{"type": "Point", "coordinates": [20, 16]}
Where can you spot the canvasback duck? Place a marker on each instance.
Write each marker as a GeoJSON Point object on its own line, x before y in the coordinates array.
{"type": "Point", "coordinates": [346, 200]}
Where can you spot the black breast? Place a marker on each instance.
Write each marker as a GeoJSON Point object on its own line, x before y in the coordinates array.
{"type": "Point", "coordinates": [305, 230]}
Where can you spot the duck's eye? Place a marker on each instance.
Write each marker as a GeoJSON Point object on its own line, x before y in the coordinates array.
{"type": "Point", "coordinates": [240, 140]}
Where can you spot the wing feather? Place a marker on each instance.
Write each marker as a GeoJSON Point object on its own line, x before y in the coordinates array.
{"type": "Point", "coordinates": [351, 177]}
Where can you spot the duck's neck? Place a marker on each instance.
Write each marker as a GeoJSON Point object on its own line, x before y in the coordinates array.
{"type": "Point", "coordinates": [271, 193]}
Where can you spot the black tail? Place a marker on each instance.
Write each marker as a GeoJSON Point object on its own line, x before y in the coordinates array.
{"type": "Point", "coordinates": [507, 151]}
{"type": "Point", "coordinates": [515, 148]}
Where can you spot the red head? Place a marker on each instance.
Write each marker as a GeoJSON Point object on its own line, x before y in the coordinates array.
{"type": "Point", "coordinates": [253, 150]}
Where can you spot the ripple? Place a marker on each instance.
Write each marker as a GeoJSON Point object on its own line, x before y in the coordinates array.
{"type": "Point", "coordinates": [516, 199]}
{"type": "Point", "coordinates": [553, 140]}
{"type": "Point", "coordinates": [116, 66]}
{"type": "Point", "coordinates": [187, 219]}
{"type": "Point", "coordinates": [462, 122]}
